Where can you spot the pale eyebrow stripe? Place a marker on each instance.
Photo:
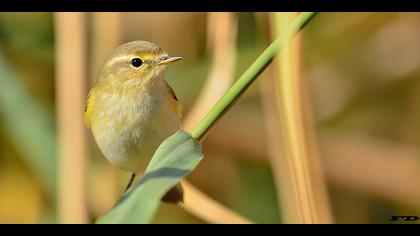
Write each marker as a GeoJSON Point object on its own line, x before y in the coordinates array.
{"type": "Point", "coordinates": [128, 57]}
{"type": "Point", "coordinates": [119, 58]}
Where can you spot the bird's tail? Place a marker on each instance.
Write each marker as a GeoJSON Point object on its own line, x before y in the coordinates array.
{"type": "Point", "coordinates": [175, 195]}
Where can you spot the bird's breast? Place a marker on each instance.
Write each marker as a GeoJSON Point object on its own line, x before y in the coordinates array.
{"type": "Point", "coordinates": [130, 128]}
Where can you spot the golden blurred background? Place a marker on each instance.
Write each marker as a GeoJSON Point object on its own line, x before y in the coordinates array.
{"type": "Point", "coordinates": [360, 80]}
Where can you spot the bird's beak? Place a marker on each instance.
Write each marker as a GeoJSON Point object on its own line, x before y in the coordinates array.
{"type": "Point", "coordinates": [168, 60]}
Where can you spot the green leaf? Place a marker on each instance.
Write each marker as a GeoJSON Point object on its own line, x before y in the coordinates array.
{"type": "Point", "coordinates": [175, 158]}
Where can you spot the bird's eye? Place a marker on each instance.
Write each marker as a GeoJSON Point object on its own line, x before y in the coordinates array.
{"type": "Point", "coordinates": [136, 62]}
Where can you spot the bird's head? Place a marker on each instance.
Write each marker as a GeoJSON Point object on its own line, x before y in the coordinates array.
{"type": "Point", "coordinates": [137, 60]}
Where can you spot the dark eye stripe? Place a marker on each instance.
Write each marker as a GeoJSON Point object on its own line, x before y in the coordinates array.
{"type": "Point", "coordinates": [148, 61]}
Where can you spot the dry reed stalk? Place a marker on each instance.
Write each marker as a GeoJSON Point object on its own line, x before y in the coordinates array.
{"type": "Point", "coordinates": [305, 196]}
{"type": "Point", "coordinates": [200, 205]}
{"type": "Point", "coordinates": [71, 93]}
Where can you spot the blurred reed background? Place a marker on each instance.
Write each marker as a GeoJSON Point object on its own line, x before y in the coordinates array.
{"type": "Point", "coordinates": [345, 136]}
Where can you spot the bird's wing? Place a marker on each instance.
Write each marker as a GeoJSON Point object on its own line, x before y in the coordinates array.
{"type": "Point", "coordinates": [89, 106]}
{"type": "Point", "coordinates": [174, 100]}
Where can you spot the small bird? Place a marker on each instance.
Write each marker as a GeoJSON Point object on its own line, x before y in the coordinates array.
{"type": "Point", "coordinates": [131, 109]}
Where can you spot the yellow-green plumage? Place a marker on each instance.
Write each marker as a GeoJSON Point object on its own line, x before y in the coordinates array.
{"type": "Point", "coordinates": [131, 110]}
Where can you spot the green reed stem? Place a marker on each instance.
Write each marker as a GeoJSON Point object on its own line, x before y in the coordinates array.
{"type": "Point", "coordinates": [240, 86]}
